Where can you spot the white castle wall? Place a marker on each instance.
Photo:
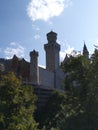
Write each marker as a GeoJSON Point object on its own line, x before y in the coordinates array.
{"type": "Point", "coordinates": [46, 78]}
{"type": "Point", "coordinates": [59, 78]}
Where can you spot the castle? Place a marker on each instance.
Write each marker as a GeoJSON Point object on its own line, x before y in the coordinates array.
{"type": "Point", "coordinates": [44, 80]}
{"type": "Point", "coordinates": [52, 76]}
{"type": "Point", "coordinates": [30, 72]}
{"type": "Point", "coordinates": [49, 78]}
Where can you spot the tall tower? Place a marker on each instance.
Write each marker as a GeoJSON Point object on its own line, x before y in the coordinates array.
{"type": "Point", "coordinates": [85, 51]}
{"type": "Point", "coordinates": [52, 49]}
{"type": "Point", "coordinates": [34, 70]}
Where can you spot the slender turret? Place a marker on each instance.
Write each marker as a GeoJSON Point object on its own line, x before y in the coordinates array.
{"type": "Point", "coordinates": [34, 71]}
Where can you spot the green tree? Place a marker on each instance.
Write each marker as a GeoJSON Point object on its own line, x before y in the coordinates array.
{"type": "Point", "coordinates": [76, 70]}
{"type": "Point", "coordinates": [17, 104]}
{"type": "Point", "coordinates": [59, 110]}
{"type": "Point", "coordinates": [82, 82]}
{"type": "Point", "coordinates": [92, 98]}
{"type": "Point", "coordinates": [1, 67]}
{"type": "Point", "coordinates": [76, 108]}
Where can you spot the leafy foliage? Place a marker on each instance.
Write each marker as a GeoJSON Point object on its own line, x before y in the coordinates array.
{"type": "Point", "coordinates": [77, 107]}
{"type": "Point", "coordinates": [59, 112]}
{"type": "Point", "coordinates": [17, 105]}
{"type": "Point", "coordinates": [82, 81]}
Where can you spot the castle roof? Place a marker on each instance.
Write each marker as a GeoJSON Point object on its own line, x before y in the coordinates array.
{"type": "Point", "coordinates": [51, 33]}
{"type": "Point", "coordinates": [85, 47]}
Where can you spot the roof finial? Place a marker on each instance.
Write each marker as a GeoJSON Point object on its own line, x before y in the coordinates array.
{"type": "Point", "coordinates": [84, 42]}
{"type": "Point", "coordinates": [51, 30]}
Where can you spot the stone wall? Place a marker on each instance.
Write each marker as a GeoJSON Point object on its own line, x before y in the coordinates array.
{"type": "Point", "coordinates": [59, 78]}
{"type": "Point", "coordinates": [46, 78]}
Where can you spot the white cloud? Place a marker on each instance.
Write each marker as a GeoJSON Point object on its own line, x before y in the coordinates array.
{"type": "Point", "coordinates": [95, 45]}
{"type": "Point", "coordinates": [36, 37]}
{"type": "Point", "coordinates": [35, 27]}
{"type": "Point", "coordinates": [97, 41]}
{"type": "Point", "coordinates": [46, 9]}
{"type": "Point", "coordinates": [68, 51]}
{"type": "Point", "coordinates": [14, 48]}
{"type": "Point", "coordinates": [13, 43]}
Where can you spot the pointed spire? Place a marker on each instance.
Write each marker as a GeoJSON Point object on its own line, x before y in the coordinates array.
{"type": "Point", "coordinates": [85, 51]}
{"type": "Point", "coordinates": [85, 48]}
{"type": "Point", "coordinates": [66, 58]}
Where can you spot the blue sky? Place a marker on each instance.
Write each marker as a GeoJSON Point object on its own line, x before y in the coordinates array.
{"type": "Point", "coordinates": [25, 23]}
